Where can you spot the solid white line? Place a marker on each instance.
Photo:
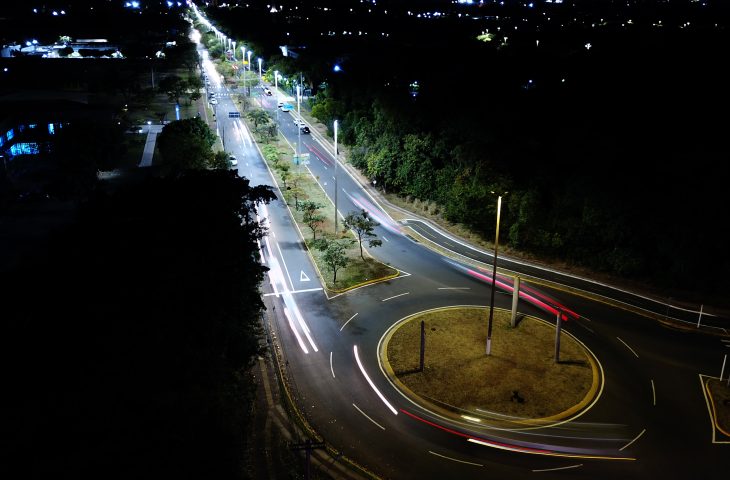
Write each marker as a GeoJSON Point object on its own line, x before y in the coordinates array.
{"type": "Point", "coordinates": [653, 393]}
{"type": "Point", "coordinates": [632, 441]}
{"type": "Point", "coordinates": [383, 237]}
{"type": "Point", "coordinates": [395, 296]}
{"type": "Point", "coordinates": [296, 333]}
{"type": "Point", "coordinates": [558, 468]}
{"type": "Point", "coordinates": [365, 415]}
{"type": "Point", "coordinates": [343, 326]}
{"type": "Point", "coordinates": [332, 369]}
{"type": "Point", "coordinates": [454, 459]}
{"type": "Point", "coordinates": [294, 291]}
{"type": "Point", "coordinates": [454, 288]}
{"type": "Point", "coordinates": [627, 346]}
{"type": "Point", "coordinates": [362, 369]}
{"type": "Point", "coordinates": [284, 263]}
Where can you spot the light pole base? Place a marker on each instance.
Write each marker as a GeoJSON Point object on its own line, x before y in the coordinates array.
{"type": "Point", "coordinates": [489, 346]}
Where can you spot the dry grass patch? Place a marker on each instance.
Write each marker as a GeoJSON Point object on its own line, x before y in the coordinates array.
{"type": "Point", "coordinates": [720, 393]}
{"type": "Point", "coordinates": [457, 372]}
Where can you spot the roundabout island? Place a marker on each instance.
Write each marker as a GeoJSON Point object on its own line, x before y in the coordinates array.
{"type": "Point", "coordinates": [519, 385]}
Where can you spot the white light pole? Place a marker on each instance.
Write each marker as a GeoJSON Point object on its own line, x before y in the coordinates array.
{"type": "Point", "coordinates": [234, 51]}
{"type": "Point", "coordinates": [276, 90]}
{"type": "Point", "coordinates": [259, 70]}
{"type": "Point", "coordinates": [249, 59]}
{"type": "Point", "coordinates": [335, 177]}
{"type": "Point", "coordinates": [299, 132]}
{"type": "Point", "coordinates": [494, 277]}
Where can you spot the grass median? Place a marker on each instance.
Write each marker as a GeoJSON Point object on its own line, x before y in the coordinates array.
{"type": "Point", "coordinates": [301, 185]}
{"type": "Point", "coordinates": [460, 377]}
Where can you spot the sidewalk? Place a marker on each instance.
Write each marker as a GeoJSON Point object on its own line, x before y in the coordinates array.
{"type": "Point", "coordinates": [149, 146]}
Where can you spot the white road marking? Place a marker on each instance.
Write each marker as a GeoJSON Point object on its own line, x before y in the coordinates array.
{"type": "Point", "coordinates": [372, 385]}
{"type": "Point", "coordinates": [303, 277]}
{"type": "Point", "coordinates": [294, 291]}
{"type": "Point", "coordinates": [653, 393]}
{"type": "Point", "coordinates": [454, 288]}
{"type": "Point", "coordinates": [343, 326]}
{"type": "Point", "coordinates": [558, 468]}
{"type": "Point", "coordinates": [365, 415]}
{"type": "Point", "coordinates": [395, 296]}
{"type": "Point", "coordinates": [627, 346]}
{"type": "Point", "coordinates": [383, 237]}
{"type": "Point", "coordinates": [454, 459]}
{"type": "Point", "coordinates": [632, 441]}
{"type": "Point", "coordinates": [332, 369]}
{"type": "Point", "coordinates": [283, 262]}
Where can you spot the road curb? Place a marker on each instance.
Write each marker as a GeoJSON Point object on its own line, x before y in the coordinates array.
{"type": "Point", "coordinates": [576, 410]}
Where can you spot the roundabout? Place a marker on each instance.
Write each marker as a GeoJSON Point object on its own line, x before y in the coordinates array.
{"type": "Point", "coordinates": [519, 385]}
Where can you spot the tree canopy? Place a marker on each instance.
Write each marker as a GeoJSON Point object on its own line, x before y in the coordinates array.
{"type": "Point", "coordinates": [136, 361]}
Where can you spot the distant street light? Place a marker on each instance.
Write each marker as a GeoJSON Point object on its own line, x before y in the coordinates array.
{"type": "Point", "coordinates": [494, 276]}
{"type": "Point", "coordinates": [259, 70]}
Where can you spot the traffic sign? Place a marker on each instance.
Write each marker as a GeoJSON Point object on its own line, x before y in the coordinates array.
{"type": "Point", "coordinates": [302, 159]}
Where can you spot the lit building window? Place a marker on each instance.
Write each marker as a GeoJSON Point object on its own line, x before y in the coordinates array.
{"type": "Point", "coordinates": [51, 130]}
{"type": "Point", "coordinates": [24, 149]}
{"type": "Point", "coordinates": [10, 134]}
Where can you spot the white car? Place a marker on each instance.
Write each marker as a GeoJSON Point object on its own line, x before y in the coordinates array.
{"type": "Point", "coordinates": [213, 101]}
{"type": "Point", "coordinates": [299, 122]}
{"type": "Point", "coordinates": [233, 160]}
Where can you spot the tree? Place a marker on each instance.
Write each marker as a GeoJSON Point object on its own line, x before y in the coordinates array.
{"type": "Point", "coordinates": [192, 89]}
{"type": "Point", "coordinates": [186, 144]}
{"type": "Point", "coordinates": [174, 87]}
{"type": "Point", "coordinates": [259, 117]}
{"type": "Point", "coordinates": [219, 161]}
{"type": "Point", "coordinates": [182, 340]}
{"type": "Point", "coordinates": [311, 216]}
{"type": "Point", "coordinates": [335, 256]}
{"type": "Point", "coordinates": [362, 225]}
{"type": "Point", "coordinates": [295, 187]}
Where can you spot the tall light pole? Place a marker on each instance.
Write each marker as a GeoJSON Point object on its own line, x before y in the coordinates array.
{"type": "Point", "coordinates": [259, 69]}
{"type": "Point", "coordinates": [494, 276]}
{"type": "Point", "coordinates": [276, 90]}
{"type": "Point", "coordinates": [243, 69]}
{"type": "Point", "coordinates": [335, 177]}
{"type": "Point", "coordinates": [299, 132]}
{"type": "Point", "coordinates": [234, 52]}
{"type": "Point", "coordinates": [248, 54]}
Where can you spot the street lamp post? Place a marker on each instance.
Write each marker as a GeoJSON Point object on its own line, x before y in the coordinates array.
{"type": "Point", "coordinates": [276, 90]}
{"type": "Point", "coordinates": [335, 177]}
{"type": "Point", "coordinates": [299, 132]}
{"type": "Point", "coordinates": [494, 277]}
{"type": "Point", "coordinates": [261, 84]}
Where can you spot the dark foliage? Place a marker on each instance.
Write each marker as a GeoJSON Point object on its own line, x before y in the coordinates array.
{"type": "Point", "coordinates": [127, 342]}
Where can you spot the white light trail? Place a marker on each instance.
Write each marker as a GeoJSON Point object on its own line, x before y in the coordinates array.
{"type": "Point", "coordinates": [372, 385]}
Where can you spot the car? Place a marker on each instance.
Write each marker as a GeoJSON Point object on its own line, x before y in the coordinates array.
{"type": "Point", "coordinates": [304, 129]}
{"type": "Point", "coordinates": [213, 101]}
{"type": "Point", "coordinates": [135, 129]}
{"type": "Point", "coordinates": [234, 161]}
{"type": "Point", "coordinates": [299, 122]}
{"type": "Point", "coordinates": [267, 92]}
{"type": "Point", "coordinates": [287, 107]}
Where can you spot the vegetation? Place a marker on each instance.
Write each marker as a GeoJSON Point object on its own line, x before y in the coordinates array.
{"type": "Point", "coordinates": [144, 343]}
{"type": "Point", "coordinates": [187, 144]}
{"type": "Point", "coordinates": [363, 226]}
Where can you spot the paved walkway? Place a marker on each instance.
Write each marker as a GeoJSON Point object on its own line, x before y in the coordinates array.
{"type": "Point", "coordinates": [149, 146]}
